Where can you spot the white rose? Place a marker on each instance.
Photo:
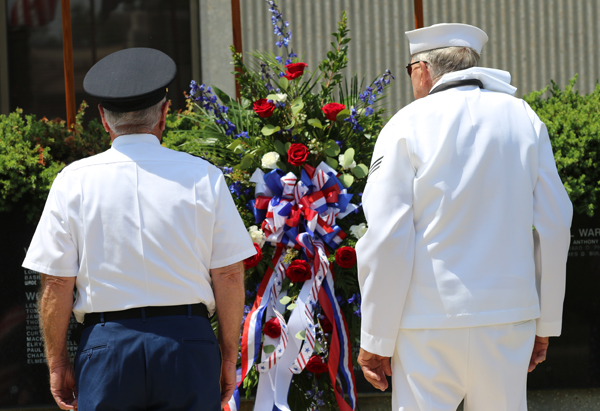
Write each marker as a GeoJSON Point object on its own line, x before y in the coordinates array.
{"type": "Point", "coordinates": [270, 160]}
{"type": "Point", "coordinates": [257, 235]}
{"type": "Point", "coordinates": [281, 96]}
{"type": "Point", "coordinates": [348, 167]}
{"type": "Point", "coordinates": [358, 230]}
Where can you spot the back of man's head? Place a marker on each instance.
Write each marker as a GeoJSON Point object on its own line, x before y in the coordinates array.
{"type": "Point", "coordinates": [134, 122]}
{"type": "Point", "coordinates": [447, 47]}
{"type": "Point", "coordinates": [448, 59]}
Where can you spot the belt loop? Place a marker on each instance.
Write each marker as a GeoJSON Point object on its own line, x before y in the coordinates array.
{"type": "Point", "coordinates": [143, 314]}
{"type": "Point", "coordinates": [189, 311]}
{"type": "Point", "coordinates": [102, 319]}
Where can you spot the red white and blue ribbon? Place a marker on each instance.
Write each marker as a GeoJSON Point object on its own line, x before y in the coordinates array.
{"type": "Point", "coordinates": [298, 213]}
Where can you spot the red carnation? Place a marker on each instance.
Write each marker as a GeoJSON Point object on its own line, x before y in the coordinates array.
{"type": "Point", "coordinates": [298, 271]}
{"type": "Point", "coordinates": [255, 259]}
{"type": "Point", "coordinates": [345, 257]}
{"type": "Point", "coordinates": [316, 365]}
{"type": "Point", "coordinates": [297, 154]}
{"type": "Point", "coordinates": [272, 328]}
{"type": "Point", "coordinates": [331, 110]}
{"type": "Point", "coordinates": [263, 108]}
{"type": "Point", "coordinates": [294, 70]}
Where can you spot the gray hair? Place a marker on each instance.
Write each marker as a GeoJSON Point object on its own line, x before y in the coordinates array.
{"type": "Point", "coordinates": [134, 122]}
{"type": "Point", "coordinates": [448, 59]}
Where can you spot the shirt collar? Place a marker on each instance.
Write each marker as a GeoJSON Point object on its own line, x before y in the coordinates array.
{"type": "Point", "coordinates": [128, 139]}
{"type": "Point", "coordinates": [492, 79]}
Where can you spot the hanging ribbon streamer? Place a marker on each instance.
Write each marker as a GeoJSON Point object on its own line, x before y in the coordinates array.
{"type": "Point", "coordinates": [301, 214]}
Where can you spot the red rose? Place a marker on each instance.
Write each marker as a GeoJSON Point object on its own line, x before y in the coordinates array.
{"type": "Point", "coordinates": [255, 259]}
{"type": "Point", "coordinates": [331, 110]}
{"type": "Point", "coordinates": [297, 154]}
{"type": "Point", "coordinates": [272, 328]}
{"type": "Point", "coordinates": [316, 365]}
{"type": "Point", "coordinates": [345, 257]}
{"type": "Point", "coordinates": [263, 108]}
{"type": "Point", "coordinates": [326, 325]}
{"type": "Point", "coordinates": [294, 70]}
{"type": "Point", "coordinates": [298, 271]}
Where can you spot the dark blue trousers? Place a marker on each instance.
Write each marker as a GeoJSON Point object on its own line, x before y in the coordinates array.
{"type": "Point", "coordinates": [157, 363]}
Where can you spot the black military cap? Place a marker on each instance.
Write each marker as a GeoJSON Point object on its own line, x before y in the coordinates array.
{"type": "Point", "coordinates": [131, 79]}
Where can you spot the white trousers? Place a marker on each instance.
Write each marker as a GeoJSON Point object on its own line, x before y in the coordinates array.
{"type": "Point", "coordinates": [435, 369]}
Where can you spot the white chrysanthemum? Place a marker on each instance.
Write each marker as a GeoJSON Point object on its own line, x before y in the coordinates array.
{"type": "Point", "coordinates": [348, 167]}
{"type": "Point", "coordinates": [270, 160]}
{"type": "Point", "coordinates": [257, 235]}
{"type": "Point", "coordinates": [358, 230]}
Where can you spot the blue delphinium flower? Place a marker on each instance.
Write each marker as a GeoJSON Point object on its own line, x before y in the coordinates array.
{"type": "Point", "coordinates": [353, 119]}
{"type": "Point", "coordinates": [205, 98]}
{"type": "Point", "coordinates": [279, 59]}
{"type": "Point", "coordinates": [368, 111]}
{"type": "Point", "coordinates": [236, 188]}
{"type": "Point", "coordinates": [279, 25]}
{"type": "Point", "coordinates": [243, 134]}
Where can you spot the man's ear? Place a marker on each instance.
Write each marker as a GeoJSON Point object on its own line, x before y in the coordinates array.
{"type": "Point", "coordinates": [425, 74]}
{"type": "Point", "coordinates": [104, 123]}
{"type": "Point", "coordinates": [164, 109]}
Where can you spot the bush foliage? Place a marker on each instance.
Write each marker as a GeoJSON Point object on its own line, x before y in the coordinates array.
{"type": "Point", "coordinates": [573, 123]}
{"type": "Point", "coordinates": [32, 153]}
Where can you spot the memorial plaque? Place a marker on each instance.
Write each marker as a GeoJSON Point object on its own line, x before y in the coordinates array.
{"type": "Point", "coordinates": [573, 359]}
{"type": "Point", "coordinates": [23, 370]}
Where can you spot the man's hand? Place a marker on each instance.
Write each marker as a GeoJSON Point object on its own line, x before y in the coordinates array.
{"type": "Point", "coordinates": [375, 368]}
{"type": "Point", "coordinates": [227, 381]}
{"type": "Point", "coordinates": [540, 348]}
{"type": "Point", "coordinates": [62, 387]}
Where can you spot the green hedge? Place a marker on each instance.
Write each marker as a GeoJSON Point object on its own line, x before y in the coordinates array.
{"type": "Point", "coordinates": [33, 151]}
{"type": "Point", "coordinates": [573, 123]}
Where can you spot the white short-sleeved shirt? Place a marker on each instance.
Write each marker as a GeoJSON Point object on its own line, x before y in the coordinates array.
{"type": "Point", "coordinates": [138, 225]}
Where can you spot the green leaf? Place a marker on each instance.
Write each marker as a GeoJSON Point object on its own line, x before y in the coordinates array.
{"type": "Point", "coordinates": [315, 122]}
{"type": "Point", "coordinates": [273, 97]}
{"type": "Point", "coordinates": [346, 180]}
{"type": "Point", "coordinates": [233, 145]}
{"type": "Point", "coordinates": [301, 335]}
{"type": "Point", "coordinates": [246, 161]}
{"type": "Point", "coordinates": [279, 147]}
{"type": "Point", "coordinates": [297, 105]}
{"type": "Point", "coordinates": [239, 149]}
{"type": "Point", "coordinates": [292, 124]}
{"type": "Point", "coordinates": [285, 300]}
{"type": "Point", "coordinates": [343, 115]}
{"type": "Point", "coordinates": [284, 83]}
{"type": "Point", "coordinates": [360, 171]}
{"type": "Point", "coordinates": [269, 129]}
{"type": "Point", "coordinates": [222, 96]}
{"type": "Point", "coordinates": [332, 149]}
{"type": "Point", "coordinates": [287, 146]}
{"type": "Point", "coordinates": [348, 157]}
{"type": "Point", "coordinates": [281, 166]}
{"type": "Point", "coordinates": [332, 162]}
{"type": "Point", "coordinates": [268, 349]}
{"type": "Point", "coordinates": [291, 306]}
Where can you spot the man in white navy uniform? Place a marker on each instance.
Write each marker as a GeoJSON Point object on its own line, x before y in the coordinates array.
{"type": "Point", "coordinates": [153, 242]}
{"type": "Point", "coordinates": [457, 291]}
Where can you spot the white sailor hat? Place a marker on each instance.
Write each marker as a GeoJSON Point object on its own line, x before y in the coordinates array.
{"type": "Point", "coordinates": [446, 35]}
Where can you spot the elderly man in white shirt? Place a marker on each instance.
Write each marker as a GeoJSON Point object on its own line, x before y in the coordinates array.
{"type": "Point", "coordinates": [153, 243]}
{"type": "Point", "coordinates": [457, 290]}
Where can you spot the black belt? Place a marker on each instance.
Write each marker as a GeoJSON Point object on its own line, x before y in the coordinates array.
{"type": "Point", "coordinates": [141, 312]}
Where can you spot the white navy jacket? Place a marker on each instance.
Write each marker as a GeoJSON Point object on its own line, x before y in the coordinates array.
{"type": "Point", "coordinates": [457, 181]}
